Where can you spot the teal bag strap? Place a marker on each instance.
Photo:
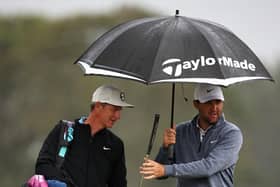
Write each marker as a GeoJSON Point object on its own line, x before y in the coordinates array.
{"type": "Point", "coordinates": [66, 136]}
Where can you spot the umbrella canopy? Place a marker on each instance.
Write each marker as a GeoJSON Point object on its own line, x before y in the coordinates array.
{"type": "Point", "coordinates": [173, 49]}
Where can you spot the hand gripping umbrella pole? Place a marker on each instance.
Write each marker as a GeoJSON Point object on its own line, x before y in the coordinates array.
{"type": "Point", "coordinates": [151, 142]}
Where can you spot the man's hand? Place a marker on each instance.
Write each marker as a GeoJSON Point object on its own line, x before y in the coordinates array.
{"type": "Point", "coordinates": [169, 136]}
{"type": "Point", "coordinates": [151, 169]}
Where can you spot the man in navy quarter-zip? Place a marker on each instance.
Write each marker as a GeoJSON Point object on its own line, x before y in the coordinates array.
{"type": "Point", "coordinates": [95, 157]}
{"type": "Point", "coordinates": [205, 149]}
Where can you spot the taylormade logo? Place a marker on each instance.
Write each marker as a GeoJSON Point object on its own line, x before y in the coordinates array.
{"type": "Point", "coordinates": [175, 66]}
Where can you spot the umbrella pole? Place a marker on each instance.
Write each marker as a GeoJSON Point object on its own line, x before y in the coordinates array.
{"type": "Point", "coordinates": [171, 147]}
{"type": "Point", "coordinates": [172, 105]}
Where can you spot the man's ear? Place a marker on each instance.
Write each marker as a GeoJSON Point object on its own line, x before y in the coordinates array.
{"type": "Point", "coordinates": [195, 103]}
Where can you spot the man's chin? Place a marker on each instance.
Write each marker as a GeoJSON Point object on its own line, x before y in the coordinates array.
{"type": "Point", "coordinates": [213, 121]}
{"type": "Point", "coordinates": [110, 125]}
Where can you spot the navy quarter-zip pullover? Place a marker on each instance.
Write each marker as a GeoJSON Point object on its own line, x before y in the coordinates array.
{"type": "Point", "coordinates": [206, 163]}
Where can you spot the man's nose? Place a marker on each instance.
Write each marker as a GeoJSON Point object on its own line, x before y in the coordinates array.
{"type": "Point", "coordinates": [214, 105]}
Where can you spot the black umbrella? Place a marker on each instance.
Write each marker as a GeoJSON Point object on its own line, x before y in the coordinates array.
{"type": "Point", "coordinates": [173, 49]}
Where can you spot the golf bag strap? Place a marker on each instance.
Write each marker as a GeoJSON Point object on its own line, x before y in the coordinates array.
{"type": "Point", "coordinates": [65, 137]}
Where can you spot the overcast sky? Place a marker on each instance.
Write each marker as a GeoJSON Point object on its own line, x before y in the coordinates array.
{"type": "Point", "coordinates": [256, 22]}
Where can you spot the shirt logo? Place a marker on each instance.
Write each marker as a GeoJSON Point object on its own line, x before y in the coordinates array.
{"type": "Point", "coordinates": [213, 141]}
{"type": "Point", "coordinates": [106, 148]}
{"type": "Point", "coordinates": [209, 90]}
{"type": "Point", "coordinates": [122, 96]}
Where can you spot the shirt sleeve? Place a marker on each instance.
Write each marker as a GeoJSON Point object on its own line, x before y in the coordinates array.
{"type": "Point", "coordinates": [162, 156]}
{"type": "Point", "coordinates": [45, 164]}
{"type": "Point", "coordinates": [224, 155]}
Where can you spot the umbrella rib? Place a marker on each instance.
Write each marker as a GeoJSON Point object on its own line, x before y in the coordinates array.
{"type": "Point", "coordinates": [202, 34]}
{"type": "Point", "coordinates": [152, 60]}
{"type": "Point", "coordinates": [157, 54]}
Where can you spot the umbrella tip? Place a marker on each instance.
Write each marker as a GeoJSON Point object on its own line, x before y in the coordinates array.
{"type": "Point", "coordinates": [177, 13]}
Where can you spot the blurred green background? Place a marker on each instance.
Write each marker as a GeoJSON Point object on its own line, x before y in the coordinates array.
{"type": "Point", "coordinates": [40, 85]}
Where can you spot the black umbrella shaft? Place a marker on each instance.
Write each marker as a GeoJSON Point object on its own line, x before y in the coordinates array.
{"type": "Point", "coordinates": [172, 105]}
{"type": "Point", "coordinates": [171, 147]}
